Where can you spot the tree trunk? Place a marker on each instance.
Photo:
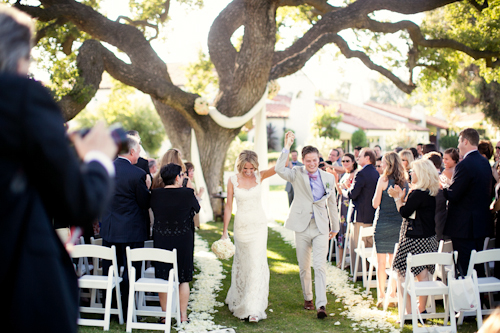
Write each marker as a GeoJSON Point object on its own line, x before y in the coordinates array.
{"type": "Point", "coordinates": [213, 143]}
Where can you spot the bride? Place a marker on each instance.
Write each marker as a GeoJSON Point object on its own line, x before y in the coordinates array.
{"type": "Point", "coordinates": [247, 296]}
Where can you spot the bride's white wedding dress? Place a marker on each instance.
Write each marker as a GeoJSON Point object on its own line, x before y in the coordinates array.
{"type": "Point", "coordinates": [249, 289]}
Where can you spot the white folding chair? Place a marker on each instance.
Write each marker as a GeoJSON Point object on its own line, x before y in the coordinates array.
{"type": "Point", "coordinates": [373, 260]}
{"type": "Point", "coordinates": [362, 253]}
{"type": "Point", "coordinates": [333, 245]}
{"type": "Point", "coordinates": [489, 243]}
{"type": "Point", "coordinates": [345, 258]}
{"type": "Point", "coordinates": [110, 282]}
{"type": "Point", "coordinates": [488, 284]}
{"type": "Point", "coordinates": [413, 289]}
{"type": "Point", "coordinates": [373, 267]}
{"type": "Point", "coordinates": [393, 278]}
{"type": "Point", "coordinates": [142, 285]}
{"type": "Point", "coordinates": [83, 266]}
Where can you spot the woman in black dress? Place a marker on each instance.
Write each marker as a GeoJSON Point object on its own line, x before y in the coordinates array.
{"type": "Point", "coordinates": [421, 207]}
{"type": "Point", "coordinates": [174, 207]}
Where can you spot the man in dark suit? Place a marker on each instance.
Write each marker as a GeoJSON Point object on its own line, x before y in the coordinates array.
{"type": "Point", "coordinates": [142, 162]}
{"type": "Point", "coordinates": [41, 179]}
{"type": "Point", "coordinates": [291, 164]}
{"type": "Point", "coordinates": [469, 220]}
{"type": "Point", "coordinates": [126, 220]}
{"type": "Point", "coordinates": [361, 193]}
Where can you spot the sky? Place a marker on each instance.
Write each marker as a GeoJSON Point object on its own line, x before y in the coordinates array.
{"type": "Point", "coordinates": [187, 33]}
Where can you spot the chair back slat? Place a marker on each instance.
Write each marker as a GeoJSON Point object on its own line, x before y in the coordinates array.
{"type": "Point", "coordinates": [94, 251]}
{"type": "Point", "coordinates": [429, 259]}
{"type": "Point", "coordinates": [150, 254]}
{"type": "Point", "coordinates": [485, 256]}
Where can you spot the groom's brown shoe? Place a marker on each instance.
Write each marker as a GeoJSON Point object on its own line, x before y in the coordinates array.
{"type": "Point", "coordinates": [308, 305]}
{"type": "Point", "coordinates": [321, 312]}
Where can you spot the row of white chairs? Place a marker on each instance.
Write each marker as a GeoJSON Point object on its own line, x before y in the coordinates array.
{"type": "Point", "coordinates": [146, 283]}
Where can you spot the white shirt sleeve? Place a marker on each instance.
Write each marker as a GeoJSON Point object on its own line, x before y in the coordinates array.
{"type": "Point", "coordinates": [101, 158]}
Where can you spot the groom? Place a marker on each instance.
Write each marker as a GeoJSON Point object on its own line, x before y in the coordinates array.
{"type": "Point", "coordinates": [314, 218]}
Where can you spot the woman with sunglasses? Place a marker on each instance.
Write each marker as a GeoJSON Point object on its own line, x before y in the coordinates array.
{"type": "Point", "coordinates": [350, 168]}
{"type": "Point", "coordinates": [174, 207]}
{"type": "Point", "coordinates": [407, 159]}
{"type": "Point", "coordinates": [388, 220]}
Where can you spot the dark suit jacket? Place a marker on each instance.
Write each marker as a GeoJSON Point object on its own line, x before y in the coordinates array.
{"type": "Point", "coordinates": [126, 220]}
{"type": "Point", "coordinates": [40, 179]}
{"type": "Point", "coordinates": [469, 198]}
{"type": "Point", "coordinates": [361, 193]}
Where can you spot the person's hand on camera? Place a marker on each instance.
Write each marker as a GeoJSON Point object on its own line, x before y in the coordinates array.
{"type": "Point", "coordinates": [98, 139]}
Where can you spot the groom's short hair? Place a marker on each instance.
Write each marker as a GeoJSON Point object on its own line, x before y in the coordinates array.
{"type": "Point", "coordinates": [308, 150]}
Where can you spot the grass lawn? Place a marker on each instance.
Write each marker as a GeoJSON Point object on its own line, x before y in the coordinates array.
{"type": "Point", "coordinates": [285, 296]}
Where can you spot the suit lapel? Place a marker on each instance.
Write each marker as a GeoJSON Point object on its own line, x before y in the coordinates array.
{"type": "Point", "coordinates": [305, 176]}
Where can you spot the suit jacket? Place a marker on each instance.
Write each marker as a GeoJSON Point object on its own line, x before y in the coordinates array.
{"type": "Point", "coordinates": [469, 197]}
{"type": "Point", "coordinates": [288, 186]}
{"type": "Point", "coordinates": [361, 193]}
{"type": "Point", "coordinates": [126, 220]}
{"type": "Point", "coordinates": [41, 179]}
{"type": "Point", "coordinates": [303, 205]}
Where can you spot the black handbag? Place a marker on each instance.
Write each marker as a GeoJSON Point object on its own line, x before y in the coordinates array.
{"type": "Point", "coordinates": [414, 228]}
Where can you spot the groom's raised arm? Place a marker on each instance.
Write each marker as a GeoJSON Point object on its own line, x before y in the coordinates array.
{"type": "Point", "coordinates": [281, 169]}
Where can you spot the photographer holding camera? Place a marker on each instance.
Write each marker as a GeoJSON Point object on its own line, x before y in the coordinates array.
{"type": "Point", "coordinates": [41, 179]}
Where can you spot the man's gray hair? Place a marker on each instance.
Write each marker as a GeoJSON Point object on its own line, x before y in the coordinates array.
{"type": "Point", "coordinates": [16, 30]}
{"type": "Point", "coordinates": [132, 143]}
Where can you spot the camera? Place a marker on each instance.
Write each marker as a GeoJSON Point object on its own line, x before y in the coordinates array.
{"type": "Point", "coordinates": [117, 133]}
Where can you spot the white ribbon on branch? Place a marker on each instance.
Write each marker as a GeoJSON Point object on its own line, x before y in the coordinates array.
{"type": "Point", "coordinates": [260, 145]}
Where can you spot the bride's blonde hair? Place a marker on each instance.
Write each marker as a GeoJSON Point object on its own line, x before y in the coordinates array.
{"type": "Point", "coordinates": [247, 156]}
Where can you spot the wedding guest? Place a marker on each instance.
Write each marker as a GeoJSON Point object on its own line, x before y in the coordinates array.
{"type": "Point", "coordinates": [172, 156]}
{"type": "Point", "coordinates": [485, 148]}
{"type": "Point", "coordinates": [388, 220]}
{"type": "Point", "coordinates": [361, 194]}
{"type": "Point", "coordinates": [357, 149]}
{"type": "Point", "coordinates": [42, 179]}
{"type": "Point", "coordinates": [428, 148]}
{"type": "Point", "coordinates": [407, 158]}
{"type": "Point", "coordinates": [420, 148]}
{"type": "Point", "coordinates": [469, 196]}
{"type": "Point", "coordinates": [378, 166]}
{"type": "Point", "coordinates": [174, 207]}
{"type": "Point", "coordinates": [378, 151]}
{"type": "Point", "coordinates": [350, 170]}
{"type": "Point", "coordinates": [398, 149]}
{"type": "Point", "coordinates": [450, 160]}
{"type": "Point", "coordinates": [126, 220]}
{"type": "Point", "coordinates": [142, 162]}
{"type": "Point", "coordinates": [197, 193]}
{"type": "Point", "coordinates": [336, 162]}
{"type": "Point", "coordinates": [414, 152]}
{"type": "Point", "coordinates": [441, 204]}
{"type": "Point", "coordinates": [153, 165]}
{"type": "Point", "coordinates": [419, 207]}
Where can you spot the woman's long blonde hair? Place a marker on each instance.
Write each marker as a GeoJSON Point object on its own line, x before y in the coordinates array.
{"type": "Point", "coordinates": [247, 156]}
{"type": "Point", "coordinates": [427, 176]}
{"type": "Point", "coordinates": [171, 156]}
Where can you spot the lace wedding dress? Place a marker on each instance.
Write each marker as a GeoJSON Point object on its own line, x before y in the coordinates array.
{"type": "Point", "coordinates": [249, 289]}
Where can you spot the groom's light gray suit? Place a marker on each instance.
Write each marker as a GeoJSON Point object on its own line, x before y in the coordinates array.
{"type": "Point", "coordinates": [311, 231]}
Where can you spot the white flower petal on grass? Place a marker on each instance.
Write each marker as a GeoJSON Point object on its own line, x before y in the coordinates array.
{"type": "Point", "coordinates": [337, 323]}
{"type": "Point", "coordinates": [202, 298]}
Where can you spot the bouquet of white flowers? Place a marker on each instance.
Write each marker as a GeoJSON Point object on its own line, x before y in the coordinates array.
{"type": "Point", "coordinates": [223, 248]}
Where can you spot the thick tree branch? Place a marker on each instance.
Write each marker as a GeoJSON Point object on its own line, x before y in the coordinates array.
{"type": "Point", "coordinates": [140, 23]}
{"type": "Point", "coordinates": [418, 39]}
{"type": "Point", "coordinates": [125, 37]}
{"type": "Point", "coordinates": [349, 17]}
{"type": "Point", "coordinates": [348, 53]}
{"type": "Point", "coordinates": [221, 50]}
{"type": "Point", "coordinates": [164, 15]}
{"type": "Point", "coordinates": [322, 6]}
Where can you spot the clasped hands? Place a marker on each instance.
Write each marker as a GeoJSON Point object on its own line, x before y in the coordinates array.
{"type": "Point", "coordinates": [396, 192]}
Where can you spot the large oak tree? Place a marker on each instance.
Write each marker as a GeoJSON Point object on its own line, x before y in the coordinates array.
{"type": "Point", "coordinates": [81, 32]}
